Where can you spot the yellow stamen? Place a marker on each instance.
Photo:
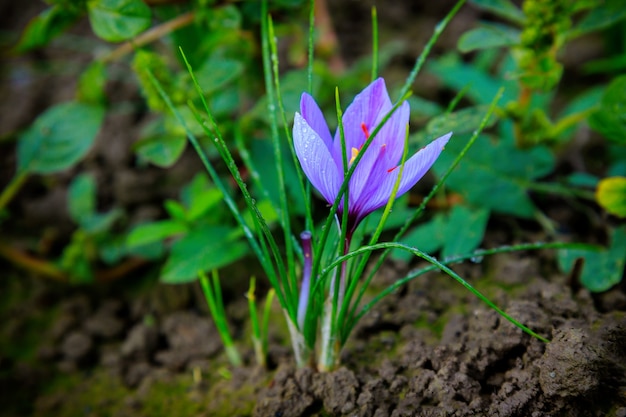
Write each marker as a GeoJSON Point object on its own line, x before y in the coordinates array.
{"type": "Point", "coordinates": [355, 153]}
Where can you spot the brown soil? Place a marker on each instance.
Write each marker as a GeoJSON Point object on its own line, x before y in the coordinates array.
{"type": "Point", "coordinates": [431, 349]}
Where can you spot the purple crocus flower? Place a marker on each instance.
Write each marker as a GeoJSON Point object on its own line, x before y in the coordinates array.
{"type": "Point", "coordinates": [374, 177]}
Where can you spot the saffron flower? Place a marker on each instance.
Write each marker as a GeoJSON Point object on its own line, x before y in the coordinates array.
{"type": "Point", "coordinates": [374, 177]}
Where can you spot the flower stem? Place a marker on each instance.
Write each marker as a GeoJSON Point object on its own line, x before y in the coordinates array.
{"type": "Point", "coordinates": [305, 289]}
{"type": "Point", "coordinates": [14, 186]}
{"type": "Point", "coordinates": [300, 351]}
{"type": "Point", "coordinates": [331, 344]}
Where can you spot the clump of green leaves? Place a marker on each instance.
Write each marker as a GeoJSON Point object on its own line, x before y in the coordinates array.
{"type": "Point", "coordinates": [522, 55]}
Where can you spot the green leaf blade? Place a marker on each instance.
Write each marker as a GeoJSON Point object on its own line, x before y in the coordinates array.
{"type": "Point", "coordinates": [488, 36]}
{"type": "Point", "coordinates": [118, 20]}
{"type": "Point", "coordinates": [59, 138]}
{"type": "Point", "coordinates": [45, 27]}
{"type": "Point", "coordinates": [502, 8]}
{"type": "Point", "coordinates": [496, 175]}
{"type": "Point", "coordinates": [602, 268]}
{"type": "Point", "coordinates": [201, 250]}
{"type": "Point", "coordinates": [610, 119]}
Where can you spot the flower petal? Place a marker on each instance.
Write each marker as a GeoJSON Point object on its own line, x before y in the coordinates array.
{"type": "Point", "coordinates": [364, 109]}
{"type": "Point", "coordinates": [414, 170]}
{"type": "Point", "coordinates": [315, 159]}
{"type": "Point", "coordinates": [315, 118]}
{"type": "Point", "coordinates": [393, 133]}
{"type": "Point", "coordinates": [378, 174]}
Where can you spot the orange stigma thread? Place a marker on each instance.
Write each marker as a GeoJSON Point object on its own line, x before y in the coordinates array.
{"type": "Point", "coordinates": [364, 129]}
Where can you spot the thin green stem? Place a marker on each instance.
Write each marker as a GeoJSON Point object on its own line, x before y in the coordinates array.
{"type": "Point", "coordinates": [442, 267]}
{"type": "Point", "coordinates": [475, 254]}
{"type": "Point", "coordinates": [560, 189]}
{"type": "Point", "coordinates": [213, 295]}
{"type": "Point", "coordinates": [356, 278]}
{"type": "Point", "coordinates": [270, 66]}
{"type": "Point", "coordinates": [266, 320]}
{"type": "Point", "coordinates": [374, 43]}
{"type": "Point", "coordinates": [246, 158]}
{"type": "Point", "coordinates": [419, 62]}
{"type": "Point", "coordinates": [311, 48]}
{"type": "Point", "coordinates": [12, 188]}
{"type": "Point", "coordinates": [257, 341]}
{"type": "Point", "coordinates": [333, 301]}
{"type": "Point", "coordinates": [257, 218]}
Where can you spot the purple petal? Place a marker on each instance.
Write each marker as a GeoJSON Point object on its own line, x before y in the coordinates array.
{"type": "Point", "coordinates": [414, 170]}
{"type": "Point", "coordinates": [315, 159]}
{"type": "Point", "coordinates": [315, 118]}
{"type": "Point", "coordinates": [393, 133]}
{"type": "Point", "coordinates": [364, 109]}
{"type": "Point", "coordinates": [377, 176]}
{"type": "Point", "coordinates": [372, 168]}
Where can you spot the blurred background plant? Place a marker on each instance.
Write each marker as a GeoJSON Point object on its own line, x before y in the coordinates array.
{"type": "Point", "coordinates": [520, 50]}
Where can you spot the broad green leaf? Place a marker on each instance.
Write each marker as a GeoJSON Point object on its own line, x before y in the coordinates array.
{"type": "Point", "coordinates": [113, 248]}
{"type": "Point", "coordinates": [158, 146]}
{"type": "Point", "coordinates": [465, 230]}
{"type": "Point", "coordinates": [75, 258]}
{"type": "Point", "coordinates": [617, 156]}
{"type": "Point", "coordinates": [496, 175]}
{"type": "Point", "coordinates": [459, 122]}
{"type": "Point", "coordinates": [148, 64]}
{"type": "Point", "coordinates": [611, 195]}
{"type": "Point", "coordinates": [154, 232]}
{"type": "Point", "coordinates": [217, 72]}
{"type": "Point", "coordinates": [82, 206]}
{"type": "Point", "coordinates": [610, 119]}
{"type": "Point", "coordinates": [605, 14]}
{"type": "Point", "coordinates": [59, 138]}
{"type": "Point", "coordinates": [582, 180]}
{"type": "Point", "coordinates": [602, 268]}
{"type": "Point", "coordinates": [45, 27]}
{"type": "Point", "coordinates": [176, 210]}
{"type": "Point", "coordinates": [488, 36]}
{"type": "Point", "coordinates": [118, 20]}
{"type": "Point", "coordinates": [613, 64]}
{"type": "Point", "coordinates": [457, 233]}
{"type": "Point", "coordinates": [200, 196]}
{"type": "Point", "coordinates": [225, 17]}
{"type": "Point", "coordinates": [81, 198]}
{"type": "Point", "coordinates": [162, 151]}
{"type": "Point", "coordinates": [91, 84]}
{"type": "Point", "coordinates": [100, 222]}
{"type": "Point", "coordinates": [423, 108]}
{"type": "Point", "coordinates": [202, 250]}
{"type": "Point", "coordinates": [483, 87]}
{"type": "Point", "coordinates": [579, 105]}
{"type": "Point", "coordinates": [428, 237]}
{"type": "Point", "coordinates": [502, 8]}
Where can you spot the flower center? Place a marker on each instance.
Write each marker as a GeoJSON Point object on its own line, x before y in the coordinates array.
{"type": "Point", "coordinates": [355, 151]}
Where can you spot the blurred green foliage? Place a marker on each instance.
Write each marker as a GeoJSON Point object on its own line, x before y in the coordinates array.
{"type": "Point", "coordinates": [518, 49]}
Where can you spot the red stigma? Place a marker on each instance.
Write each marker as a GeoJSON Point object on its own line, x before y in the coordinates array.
{"type": "Point", "coordinates": [365, 131]}
{"type": "Point", "coordinates": [390, 170]}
